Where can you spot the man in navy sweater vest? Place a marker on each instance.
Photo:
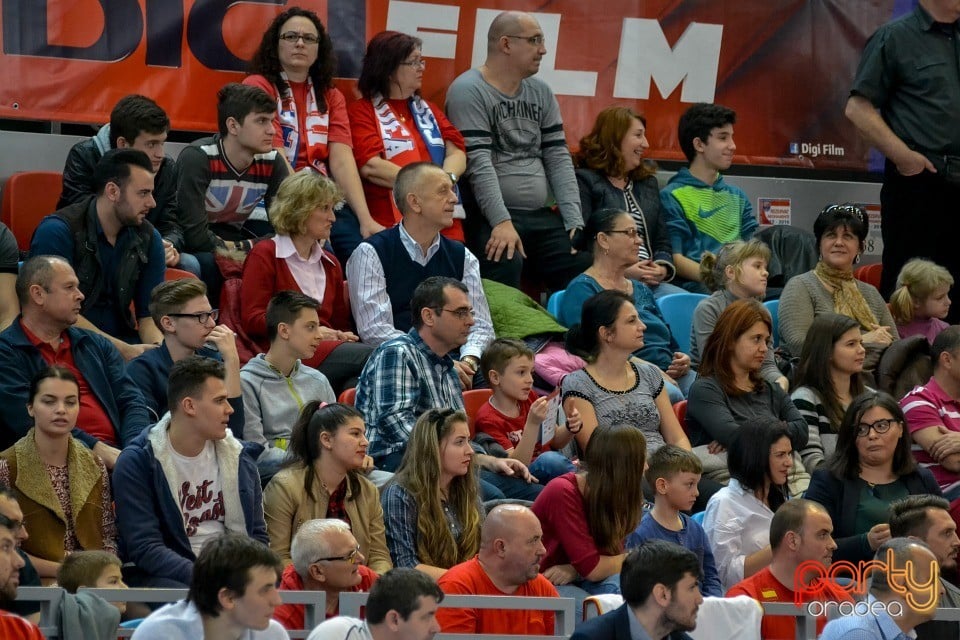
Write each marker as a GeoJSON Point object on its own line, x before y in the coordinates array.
{"type": "Point", "coordinates": [385, 269]}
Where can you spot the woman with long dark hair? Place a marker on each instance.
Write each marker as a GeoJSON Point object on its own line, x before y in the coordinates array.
{"type": "Point", "coordinates": [737, 520]}
{"type": "Point", "coordinates": [828, 380]}
{"type": "Point", "coordinates": [61, 486]}
{"type": "Point", "coordinates": [322, 479]}
{"type": "Point", "coordinates": [583, 531]}
{"type": "Point", "coordinates": [432, 506]}
{"type": "Point", "coordinates": [295, 64]}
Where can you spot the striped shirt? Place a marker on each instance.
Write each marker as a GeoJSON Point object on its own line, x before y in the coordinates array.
{"type": "Point", "coordinates": [930, 406]}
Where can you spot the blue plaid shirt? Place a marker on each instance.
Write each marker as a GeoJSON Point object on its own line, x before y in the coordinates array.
{"type": "Point", "coordinates": [402, 379]}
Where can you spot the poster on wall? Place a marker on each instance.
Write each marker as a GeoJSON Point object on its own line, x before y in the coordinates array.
{"type": "Point", "coordinates": [774, 211]}
{"type": "Point", "coordinates": [873, 245]}
{"type": "Point", "coordinates": [785, 67]}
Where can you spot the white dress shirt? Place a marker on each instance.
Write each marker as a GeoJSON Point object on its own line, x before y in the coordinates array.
{"type": "Point", "coordinates": [737, 525]}
{"type": "Point", "coordinates": [371, 304]}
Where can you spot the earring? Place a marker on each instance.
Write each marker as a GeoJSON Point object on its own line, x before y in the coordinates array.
{"type": "Point", "coordinates": [606, 251]}
{"type": "Point", "coordinates": [857, 259]}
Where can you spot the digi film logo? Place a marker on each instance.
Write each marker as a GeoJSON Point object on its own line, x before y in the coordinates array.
{"type": "Point", "coordinates": [816, 149]}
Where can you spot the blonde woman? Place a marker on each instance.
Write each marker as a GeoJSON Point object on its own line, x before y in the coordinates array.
{"type": "Point", "coordinates": [295, 260]}
{"type": "Point", "coordinates": [432, 507]}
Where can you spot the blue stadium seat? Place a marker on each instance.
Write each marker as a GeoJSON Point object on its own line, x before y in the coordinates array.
{"type": "Point", "coordinates": [773, 306]}
{"type": "Point", "coordinates": [553, 304]}
{"type": "Point", "coordinates": [677, 310]}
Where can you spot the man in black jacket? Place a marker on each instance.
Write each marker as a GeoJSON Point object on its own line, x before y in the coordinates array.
{"type": "Point", "coordinates": [136, 122]}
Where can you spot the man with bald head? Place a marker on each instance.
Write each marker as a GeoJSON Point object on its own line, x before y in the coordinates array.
{"type": "Point", "coordinates": [519, 189]}
{"type": "Point", "coordinates": [508, 564]}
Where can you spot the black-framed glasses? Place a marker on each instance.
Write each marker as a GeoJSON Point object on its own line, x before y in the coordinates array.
{"type": "Point", "coordinates": [630, 233]}
{"type": "Point", "coordinates": [462, 313]}
{"type": "Point", "coordinates": [203, 317]}
{"type": "Point", "coordinates": [536, 41]}
{"type": "Point", "coordinates": [293, 36]}
{"type": "Point", "coordinates": [353, 557]}
{"type": "Point", "coordinates": [419, 63]}
{"type": "Point", "coordinates": [880, 426]}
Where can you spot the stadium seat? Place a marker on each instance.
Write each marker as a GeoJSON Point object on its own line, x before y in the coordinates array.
{"type": "Point", "coordinates": [28, 196]}
{"type": "Point", "coordinates": [680, 409]}
{"type": "Point", "coordinates": [553, 304]}
{"type": "Point", "coordinates": [176, 274]}
{"type": "Point", "coordinates": [472, 401]}
{"type": "Point", "coordinates": [869, 273]}
{"type": "Point", "coordinates": [348, 396]}
{"type": "Point", "coordinates": [773, 306]}
{"type": "Point", "coordinates": [677, 310]}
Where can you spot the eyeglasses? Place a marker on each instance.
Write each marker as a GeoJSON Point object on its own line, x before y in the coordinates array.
{"type": "Point", "coordinates": [201, 317]}
{"type": "Point", "coordinates": [293, 36]}
{"type": "Point", "coordinates": [630, 233]}
{"type": "Point", "coordinates": [462, 313]}
{"type": "Point", "coordinates": [536, 41]}
{"type": "Point", "coordinates": [352, 557]}
{"type": "Point", "coordinates": [419, 63]}
{"type": "Point", "coordinates": [880, 426]}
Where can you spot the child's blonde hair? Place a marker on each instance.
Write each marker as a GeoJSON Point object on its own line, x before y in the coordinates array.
{"type": "Point", "coordinates": [713, 268]}
{"type": "Point", "coordinates": [918, 280]}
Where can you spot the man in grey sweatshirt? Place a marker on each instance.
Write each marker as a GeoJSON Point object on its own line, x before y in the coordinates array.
{"type": "Point", "coordinates": [520, 189]}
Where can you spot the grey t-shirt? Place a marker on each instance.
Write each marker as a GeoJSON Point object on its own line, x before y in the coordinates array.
{"type": "Point", "coordinates": [634, 406]}
{"type": "Point", "coordinates": [9, 252]}
{"type": "Point", "coordinates": [517, 157]}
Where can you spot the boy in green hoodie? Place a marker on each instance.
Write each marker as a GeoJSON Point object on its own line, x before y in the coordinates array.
{"type": "Point", "coordinates": [702, 211]}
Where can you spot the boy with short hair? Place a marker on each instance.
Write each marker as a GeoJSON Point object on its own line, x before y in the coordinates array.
{"type": "Point", "coordinates": [701, 210]}
{"type": "Point", "coordinates": [93, 569]}
{"type": "Point", "coordinates": [673, 474]}
{"type": "Point", "coordinates": [183, 313]}
{"type": "Point", "coordinates": [513, 416]}
{"type": "Point", "coordinates": [276, 384]}
{"type": "Point", "coordinates": [223, 179]}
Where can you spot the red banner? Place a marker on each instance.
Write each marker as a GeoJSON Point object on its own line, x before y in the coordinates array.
{"type": "Point", "coordinates": [785, 66]}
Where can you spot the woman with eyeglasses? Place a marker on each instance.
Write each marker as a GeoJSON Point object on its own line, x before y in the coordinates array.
{"type": "Point", "coordinates": [871, 467]}
{"type": "Point", "coordinates": [613, 237]}
{"type": "Point", "coordinates": [295, 64]}
{"type": "Point", "coordinates": [296, 260]}
{"type": "Point", "coordinates": [432, 506]}
{"type": "Point", "coordinates": [612, 174]}
{"type": "Point", "coordinates": [730, 391]}
{"type": "Point", "coordinates": [393, 125]}
{"type": "Point", "coordinates": [323, 478]}
{"type": "Point", "coordinates": [841, 231]}
{"type": "Point", "coordinates": [62, 488]}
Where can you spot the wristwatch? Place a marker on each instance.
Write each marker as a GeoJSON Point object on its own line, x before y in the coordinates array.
{"type": "Point", "coordinates": [473, 361]}
{"type": "Point", "coordinates": [453, 177]}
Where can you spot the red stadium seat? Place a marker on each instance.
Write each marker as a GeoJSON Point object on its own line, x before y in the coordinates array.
{"type": "Point", "coordinates": [177, 274]}
{"type": "Point", "coordinates": [348, 396]}
{"type": "Point", "coordinates": [680, 409]}
{"type": "Point", "coordinates": [472, 401]}
{"type": "Point", "coordinates": [28, 196]}
{"type": "Point", "coordinates": [869, 273]}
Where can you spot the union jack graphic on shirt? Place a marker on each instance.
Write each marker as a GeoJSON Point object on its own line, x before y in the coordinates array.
{"type": "Point", "coordinates": [232, 195]}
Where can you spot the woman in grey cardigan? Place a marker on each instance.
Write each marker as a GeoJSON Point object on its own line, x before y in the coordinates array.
{"type": "Point", "coordinates": [611, 174]}
{"type": "Point", "coordinates": [831, 288]}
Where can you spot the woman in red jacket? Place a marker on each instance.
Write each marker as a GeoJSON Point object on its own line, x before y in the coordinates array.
{"type": "Point", "coordinates": [295, 260]}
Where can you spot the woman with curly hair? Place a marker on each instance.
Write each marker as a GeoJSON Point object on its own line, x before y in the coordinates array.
{"type": "Point", "coordinates": [294, 64]}
{"type": "Point", "coordinates": [393, 126]}
{"type": "Point", "coordinates": [582, 531]}
{"type": "Point", "coordinates": [612, 174]}
{"type": "Point", "coordinates": [432, 507]}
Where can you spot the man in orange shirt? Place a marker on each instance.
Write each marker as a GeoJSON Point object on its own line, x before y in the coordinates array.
{"type": "Point", "coordinates": [326, 557]}
{"type": "Point", "coordinates": [11, 625]}
{"type": "Point", "coordinates": [508, 565]}
{"type": "Point", "coordinates": [800, 532]}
